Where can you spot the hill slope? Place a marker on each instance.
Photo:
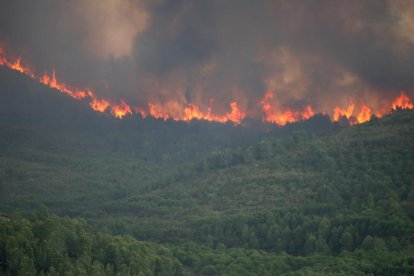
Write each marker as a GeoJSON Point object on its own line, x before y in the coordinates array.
{"type": "Point", "coordinates": [57, 151]}
{"type": "Point", "coordinates": [337, 203]}
{"type": "Point", "coordinates": [274, 195]}
{"type": "Point", "coordinates": [313, 197]}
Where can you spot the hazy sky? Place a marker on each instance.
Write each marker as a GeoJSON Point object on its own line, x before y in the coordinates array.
{"type": "Point", "coordinates": [217, 51]}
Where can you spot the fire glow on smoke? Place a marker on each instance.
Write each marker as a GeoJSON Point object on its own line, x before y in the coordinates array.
{"type": "Point", "coordinates": [355, 113]}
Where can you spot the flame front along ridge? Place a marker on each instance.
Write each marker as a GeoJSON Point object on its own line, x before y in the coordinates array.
{"type": "Point", "coordinates": [190, 111]}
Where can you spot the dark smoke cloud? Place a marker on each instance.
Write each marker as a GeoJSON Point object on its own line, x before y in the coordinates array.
{"type": "Point", "coordinates": [306, 52]}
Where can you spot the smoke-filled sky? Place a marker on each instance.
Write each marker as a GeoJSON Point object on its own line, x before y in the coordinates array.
{"type": "Point", "coordinates": [219, 51]}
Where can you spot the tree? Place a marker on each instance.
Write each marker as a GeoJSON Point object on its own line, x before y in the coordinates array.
{"type": "Point", "coordinates": [346, 241]}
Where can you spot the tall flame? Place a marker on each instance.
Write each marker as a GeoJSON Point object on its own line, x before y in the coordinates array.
{"type": "Point", "coordinates": [235, 115]}
{"type": "Point", "coordinates": [402, 102]}
{"type": "Point", "coordinates": [365, 114]}
{"type": "Point", "coordinates": [347, 113]}
{"type": "Point", "coordinates": [271, 110]}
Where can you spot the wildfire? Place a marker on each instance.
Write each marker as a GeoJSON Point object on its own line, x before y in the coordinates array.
{"type": "Point", "coordinates": [154, 113]}
{"type": "Point", "coordinates": [16, 65]}
{"type": "Point", "coordinates": [271, 110]}
{"type": "Point", "coordinates": [121, 110]}
{"type": "Point", "coordinates": [192, 111]}
{"type": "Point", "coordinates": [99, 105]}
{"type": "Point", "coordinates": [235, 115]}
{"type": "Point", "coordinates": [20, 68]}
{"type": "Point", "coordinates": [365, 114]}
{"type": "Point", "coordinates": [402, 102]}
{"type": "Point", "coordinates": [308, 113]}
{"type": "Point", "coordinates": [347, 113]}
{"type": "Point", "coordinates": [52, 82]}
{"type": "Point", "coordinates": [2, 57]}
{"type": "Point", "coordinates": [272, 115]}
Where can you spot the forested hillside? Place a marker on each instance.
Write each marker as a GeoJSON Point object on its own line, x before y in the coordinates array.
{"type": "Point", "coordinates": [198, 198]}
{"type": "Point", "coordinates": [75, 160]}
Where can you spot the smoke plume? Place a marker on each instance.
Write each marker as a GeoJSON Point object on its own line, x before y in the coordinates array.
{"type": "Point", "coordinates": [267, 56]}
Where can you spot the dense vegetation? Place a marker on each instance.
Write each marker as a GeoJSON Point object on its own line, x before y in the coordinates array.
{"type": "Point", "coordinates": [170, 198]}
{"type": "Point", "coordinates": [50, 245]}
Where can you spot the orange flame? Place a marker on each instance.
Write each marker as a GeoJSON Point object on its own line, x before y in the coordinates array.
{"type": "Point", "coordinates": [140, 111]}
{"type": "Point", "coordinates": [16, 65]}
{"type": "Point", "coordinates": [121, 110]}
{"type": "Point", "coordinates": [365, 114]}
{"type": "Point", "coordinates": [308, 113]}
{"type": "Point", "coordinates": [2, 57]}
{"type": "Point", "coordinates": [347, 113]}
{"type": "Point", "coordinates": [99, 105]}
{"type": "Point", "coordinates": [271, 111]}
{"type": "Point", "coordinates": [154, 113]}
{"type": "Point", "coordinates": [283, 117]}
{"type": "Point", "coordinates": [402, 102]}
{"type": "Point", "coordinates": [192, 111]}
{"type": "Point", "coordinates": [52, 82]}
{"type": "Point", "coordinates": [20, 68]}
{"type": "Point", "coordinates": [235, 115]}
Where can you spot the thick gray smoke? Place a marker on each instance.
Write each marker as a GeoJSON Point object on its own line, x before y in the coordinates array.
{"type": "Point", "coordinates": [215, 52]}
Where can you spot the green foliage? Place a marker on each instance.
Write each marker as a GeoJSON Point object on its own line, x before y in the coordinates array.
{"type": "Point", "coordinates": [68, 247]}
{"type": "Point", "coordinates": [311, 198]}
